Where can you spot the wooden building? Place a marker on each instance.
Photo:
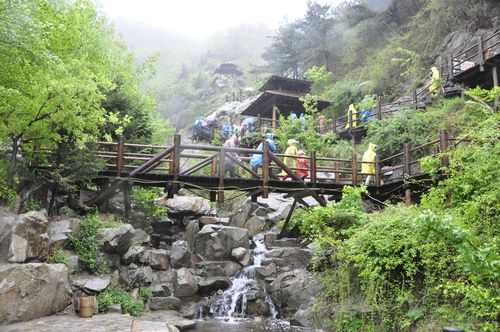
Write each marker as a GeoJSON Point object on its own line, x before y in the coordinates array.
{"type": "Point", "coordinates": [280, 95]}
{"type": "Point", "coordinates": [229, 69]}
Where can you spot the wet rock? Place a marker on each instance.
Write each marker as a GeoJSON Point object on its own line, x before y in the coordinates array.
{"type": "Point", "coordinates": [140, 237]}
{"type": "Point", "coordinates": [242, 256]}
{"type": "Point", "coordinates": [143, 326]}
{"type": "Point", "coordinates": [258, 307]}
{"type": "Point", "coordinates": [187, 285]}
{"type": "Point", "coordinates": [185, 205]}
{"type": "Point", "coordinates": [59, 231]}
{"type": "Point", "coordinates": [180, 255]}
{"type": "Point", "coordinates": [266, 272]}
{"type": "Point", "coordinates": [116, 240]}
{"type": "Point", "coordinates": [131, 278]}
{"type": "Point", "coordinates": [255, 225]}
{"type": "Point", "coordinates": [163, 283]}
{"type": "Point", "coordinates": [192, 228]}
{"type": "Point", "coordinates": [29, 239]}
{"type": "Point", "coordinates": [207, 286]}
{"type": "Point", "coordinates": [133, 255]}
{"type": "Point", "coordinates": [171, 318]}
{"type": "Point", "coordinates": [91, 284]}
{"type": "Point", "coordinates": [164, 303]}
{"type": "Point", "coordinates": [271, 241]}
{"type": "Point", "coordinates": [217, 268]}
{"type": "Point", "coordinates": [277, 206]}
{"type": "Point", "coordinates": [32, 290]}
{"type": "Point", "coordinates": [292, 257]}
{"type": "Point", "coordinates": [292, 289]}
{"type": "Point", "coordinates": [158, 259]}
{"type": "Point", "coordinates": [162, 225]}
{"type": "Point", "coordinates": [241, 214]}
{"type": "Point", "coordinates": [216, 242]}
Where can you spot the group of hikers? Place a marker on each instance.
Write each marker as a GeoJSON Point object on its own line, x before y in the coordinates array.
{"type": "Point", "coordinates": [294, 159]}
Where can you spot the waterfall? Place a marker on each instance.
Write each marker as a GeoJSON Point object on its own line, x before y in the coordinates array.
{"type": "Point", "coordinates": [234, 302]}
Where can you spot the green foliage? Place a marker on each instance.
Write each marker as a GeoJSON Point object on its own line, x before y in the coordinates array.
{"type": "Point", "coordinates": [86, 245]}
{"type": "Point", "coordinates": [368, 102]}
{"type": "Point", "coordinates": [115, 294]}
{"type": "Point", "coordinates": [409, 60]}
{"type": "Point", "coordinates": [145, 293]}
{"type": "Point", "coordinates": [143, 200]}
{"type": "Point", "coordinates": [217, 139]}
{"type": "Point", "coordinates": [32, 205]}
{"type": "Point", "coordinates": [60, 256]}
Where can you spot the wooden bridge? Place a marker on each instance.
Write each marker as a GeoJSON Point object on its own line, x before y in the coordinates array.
{"type": "Point", "coordinates": [202, 167]}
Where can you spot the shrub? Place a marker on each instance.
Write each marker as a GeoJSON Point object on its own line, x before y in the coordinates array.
{"type": "Point", "coordinates": [115, 294]}
{"type": "Point", "coordinates": [60, 256]}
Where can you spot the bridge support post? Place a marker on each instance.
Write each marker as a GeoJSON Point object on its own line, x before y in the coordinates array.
{"type": "Point", "coordinates": [480, 52]}
{"type": "Point", "coordinates": [377, 172]}
{"type": "Point", "coordinates": [119, 155]}
{"type": "Point", "coordinates": [379, 108]}
{"type": "Point", "coordinates": [494, 74]}
{"type": "Point", "coordinates": [407, 172]}
{"type": "Point", "coordinates": [313, 168]}
{"type": "Point", "coordinates": [334, 123]}
{"type": "Point", "coordinates": [220, 193]}
{"type": "Point", "coordinates": [354, 170]}
{"type": "Point", "coordinates": [126, 200]}
{"type": "Point", "coordinates": [265, 169]}
{"type": "Point", "coordinates": [414, 100]}
{"type": "Point", "coordinates": [175, 166]}
{"type": "Point", "coordinates": [337, 172]}
{"type": "Point", "coordinates": [443, 146]}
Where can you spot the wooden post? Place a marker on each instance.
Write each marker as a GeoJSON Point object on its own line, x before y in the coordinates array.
{"type": "Point", "coordinates": [494, 74]}
{"type": "Point", "coordinates": [354, 170]}
{"type": "Point", "coordinates": [377, 172]}
{"type": "Point", "coordinates": [350, 120]}
{"type": "Point", "coordinates": [407, 172]}
{"type": "Point", "coordinates": [126, 200]}
{"type": "Point", "coordinates": [274, 117]}
{"type": "Point", "coordinates": [288, 217]}
{"type": "Point", "coordinates": [220, 193]}
{"type": "Point", "coordinates": [480, 52]}
{"type": "Point", "coordinates": [379, 108]}
{"type": "Point", "coordinates": [213, 167]}
{"type": "Point", "coordinates": [334, 124]}
{"type": "Point", "coordinates": [414, 95]}
{"type": "Point", "coordinates": [213, 196]}
{"type": "Point", "coordinates": [260, 122]}
{"type": "Point", "coordinates": [119, 155]}
{"type": "Point", "coordinates": [337, 172]}
{"type": "Point", "coordinates": [312, 166]}
{"type": "Point", "coordinates": [265, 169]}
{"type": "Point", "coordinates": [451, 70]}
{"type": "Point", "coordinates": [443, 146]}
{"type": "Point", "coordinates": [176, 156]}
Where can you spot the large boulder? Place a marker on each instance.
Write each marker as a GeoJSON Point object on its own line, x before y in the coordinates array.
{"type": "Point", "coordinates": [158, 259]}
{"type": "Point", "coordinates": [163, 283]}
{"type": "Point", "coordinates": [164, 303]}
{"type": "Point", "coordinates": [242, 256]}
{"type": "Point", "coordinates": [192, 228]}
{"type": "Point", "coordinates": [91, 284]}
{"type": "Point", "coordinates": [185, 205]}
{"type": "Point", "coordinates": [217, 268]}
{"type": "Point", "coordinates": [60, 230]}
{"type": "Point", "coordinates": [141, 237]}
{"type": "Point", "coordinates": [241, 214]}
{"type": "Point", "coordinates": [255, 225]}
{"type": "Point", "coordinates": [180, 255]}
{"type": "Point", "coordinates": [133, 255]}
{"type": "Point", "coordinates": [7, 221]}
{"type": "Point", "coordinates": [116, 240]}
{"type": "Point", "coordinates": [187, 284]}
{"type": "Point", "coordinates": [292, 289]}
{"type": "Point", "coordinates": [215, 242]}
{"type": "Point", "coordinates": [207, 286]}
{"type": "Point", "coordinates": [29, 240]}
{"type": "Point", "coordinates": [132, 278]}
{"type": "Point", "coordinates": [277, 206]}
{"type": "Point", "coordinates": [290, 257]}
{"type": "Point", "coordinates": [29, 291]}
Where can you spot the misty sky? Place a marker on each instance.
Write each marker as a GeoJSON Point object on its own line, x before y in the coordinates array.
{"type": "Point", "coordinates": [205, 17]}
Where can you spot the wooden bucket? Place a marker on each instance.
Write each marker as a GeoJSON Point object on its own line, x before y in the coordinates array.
{"type": "Point", "coordinates": [87, 306]}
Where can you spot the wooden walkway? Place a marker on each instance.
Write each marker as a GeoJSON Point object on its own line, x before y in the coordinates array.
{"type": "Point", "coordinates": [202, 167]}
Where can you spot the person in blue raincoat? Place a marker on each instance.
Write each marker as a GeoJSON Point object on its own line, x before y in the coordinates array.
{"type": "Point", "coordinates": [256, 160]}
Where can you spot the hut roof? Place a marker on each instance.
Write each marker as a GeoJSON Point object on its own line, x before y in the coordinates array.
{"type": "Point", "coordinates": [286, 84]}
{"type": "Point", "coordinates": [228, 69]}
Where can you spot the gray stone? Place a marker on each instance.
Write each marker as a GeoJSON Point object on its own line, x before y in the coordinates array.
{"type": "Point", "coordinates": [185, 205]}
{"type": "Point", "coordinates": [90, 283]}
{"type": "Point", "coordinates": [158, 259]}
{"type": "Point", "coordinates": [29, 239]}
{"type": "Point", "coordinates": [180, 255]}
{"type": "Point", "coordinates": [207, 286]}
{"type": "Point", "coordinates": [258, 307]}
{"type": "Point", "coordinates": [112, 261]}
{"type": "Point", "coordinates": [216, 242]}
{"type": "Point", "coordinates": [242, 213]}
{"type": "Point", "coordinates": [59, 231]}
{"type": "Point", "coordinates": [163, 283]}
{"type": "Point", "coordinates": [217, 268]}
{"type": "Point", "coordinates": [187, 285]}
{"type": "Point", "coordinates": [293, 257]}
{"type": "Point", "coordinates": [277, 205]}
{"type": "Point", "coordinates": [7, 221]}
{"type": "Point", "coordinates": [148, 326]}
{"type": "Point", "coordinates": [192, 228]}
{"type": "Point", "coordinates": [116, 240]}
{"type": "Point", "coordinates": [140, 237]}
{"type": "Point", "coordinates": [164, 303]}
{"type": "Point", "coordinates": [114, 308]}
{"type": "Point", "coordinates": [292, 289]}
{"type": "Point", "coordinates": [255, 225]}
{"type": "Point", "coordinates": [208, 220]}
{"type": "Point", "coordinates": [261, 212]}
{"type": "Point", "coordinates": [131, 278]}
{"type": "Point", "coordinates": [242, 256]}
{"type": "Point", "coordinates": [171, 318]}
{"type": "Point", "coordinates": [133, 255]}
{"type": "Point", "coordinates": [162, 225]}
{"type": "Point", "coordinates": [74, 264]}
{"type": "Point", "coordinates": [266, 272]}
{"type": "Point", "coordinates": [29, 291]}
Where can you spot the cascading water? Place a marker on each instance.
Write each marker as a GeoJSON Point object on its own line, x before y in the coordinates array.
{"type": "Point", "coordinates": [234, 302]}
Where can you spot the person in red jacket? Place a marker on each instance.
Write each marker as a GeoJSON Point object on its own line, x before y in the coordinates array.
{"type": "Point", "coordinates": [302, 163]}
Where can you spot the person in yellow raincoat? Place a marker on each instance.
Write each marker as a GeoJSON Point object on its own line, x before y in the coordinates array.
{"type": "Point", "coordinates": [354, 113]}
{"type": "Point", "coordinates": [435, 84]}
{"type": "Point", "coordinates": [290, 161]}
{"type": "Point", "coordinates": [367, 166]}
